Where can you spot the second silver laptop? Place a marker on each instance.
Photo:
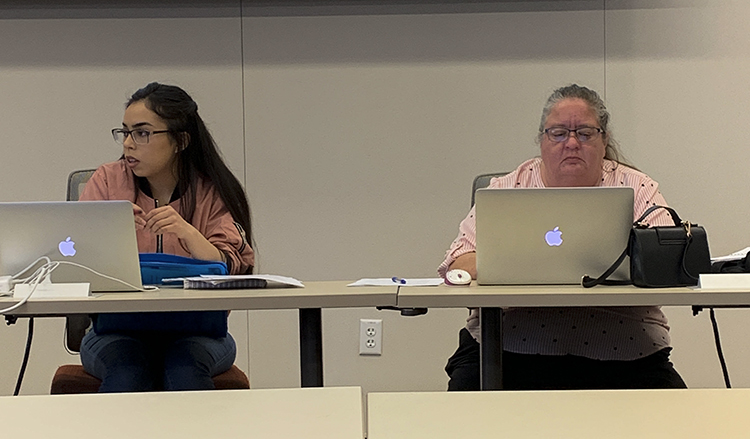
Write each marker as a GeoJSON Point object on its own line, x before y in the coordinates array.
{"type": "Point", "coordinates": [551, 235]}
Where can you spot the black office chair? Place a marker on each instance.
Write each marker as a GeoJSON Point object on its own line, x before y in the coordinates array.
{"type": "Point", "coordinates": [76, 182]}
{"type": "Point", "coordinates": [481, 181]}
{"type": "Point", "coordinates": [72, 378]}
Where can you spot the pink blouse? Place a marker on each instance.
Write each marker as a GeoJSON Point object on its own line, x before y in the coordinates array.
{"type": "Point", "coordinates": [602, 333]}
{"type": "Point", "coordinates": [114, 181]}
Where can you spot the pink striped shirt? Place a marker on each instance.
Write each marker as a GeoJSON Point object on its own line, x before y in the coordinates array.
{"type": "Point", "coordinates": [603, 333]}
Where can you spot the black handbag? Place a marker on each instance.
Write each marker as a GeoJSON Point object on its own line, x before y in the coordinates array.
{"type": "Point", "coordinates": [668, 256]}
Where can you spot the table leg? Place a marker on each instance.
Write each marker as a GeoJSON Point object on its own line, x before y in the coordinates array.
{"type": "Point", "coordinates": [491, 348]}
{"type": "Point", "coordinates": [311, 347]}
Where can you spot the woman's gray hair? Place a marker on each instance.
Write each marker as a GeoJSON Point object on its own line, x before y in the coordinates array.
{"type": "Point", "coordinates": [595, 102]}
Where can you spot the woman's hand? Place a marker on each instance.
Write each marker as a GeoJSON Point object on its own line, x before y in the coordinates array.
{"type": "Point", "coordinates": [467, 262]}
{"type": "Point", "coordinates": [138, 214]}
{"type": "Point", "coordinates": [164, 220]}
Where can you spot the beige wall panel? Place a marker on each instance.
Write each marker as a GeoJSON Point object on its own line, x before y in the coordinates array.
{"type": "Point", "coordinates": [47, 353]}
{"type": "Point", "coordinates": [65, 82]}
{"type": "Point", "coordinates": [364, 134]}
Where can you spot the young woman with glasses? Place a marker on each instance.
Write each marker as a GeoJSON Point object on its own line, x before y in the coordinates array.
{"type": "Point", "coordinates": [185, 202]}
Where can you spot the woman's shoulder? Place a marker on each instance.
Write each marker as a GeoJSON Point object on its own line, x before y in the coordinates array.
{"type": "Point", "coordinates": [113, 170]}
{"type": "Point", "coordinates": [110, 181]}
{"type": "Point", "coordinates": [527, 174]}
{"type": "Point", "coordinates": [618, 174]}
{"type": "Point", "coordinates": [206, 192]}
{"type": "Point", "coordinates": [205, 186]}
{"type": "Point", "coordinates": [532, 165]}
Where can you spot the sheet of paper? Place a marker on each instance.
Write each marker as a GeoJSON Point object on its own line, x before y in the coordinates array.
{"type": "Point", "coordinates": [739, 254]}
{"type": "Point", "coordinates": [401, 282]}
{"type": "Point", "coordinates": [424, 282]}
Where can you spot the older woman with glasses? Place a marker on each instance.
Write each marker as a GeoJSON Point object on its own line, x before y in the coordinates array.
{"type": "Point", "coordinates": [570, 348]}
{"type": "Point", "coordinates": [186, 202]}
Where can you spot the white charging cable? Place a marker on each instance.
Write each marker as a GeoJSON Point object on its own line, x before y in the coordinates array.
{"type": "Point", "coordinates": [129, 285]}
{"type": "Point", "coordinates": [8, 282]}
{"type": "Point", "coordinates": [39, 275]}
{"type": "Point", "coordinates": [43, 273]}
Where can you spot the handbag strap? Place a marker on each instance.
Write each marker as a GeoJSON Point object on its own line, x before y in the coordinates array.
{"type": "Point", "coordinates": [688, 240]}
{"type": "Point", "coordinates": [676, 218]}
{"type": "Point", "coordinates": [588, 282]}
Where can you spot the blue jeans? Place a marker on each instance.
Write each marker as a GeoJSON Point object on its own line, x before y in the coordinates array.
{"type": "Point", "coordinates": [156, 361]}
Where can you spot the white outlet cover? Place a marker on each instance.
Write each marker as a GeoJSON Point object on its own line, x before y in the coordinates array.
{"type": "Point", "coordinates": [370, 337]}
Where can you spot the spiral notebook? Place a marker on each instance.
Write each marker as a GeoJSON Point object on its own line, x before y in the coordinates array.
{"type": "Point", "coordinates": [246, 281]}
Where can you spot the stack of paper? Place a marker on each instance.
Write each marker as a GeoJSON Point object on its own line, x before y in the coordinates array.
{"type": "Point", "coordinates": [739, 254]}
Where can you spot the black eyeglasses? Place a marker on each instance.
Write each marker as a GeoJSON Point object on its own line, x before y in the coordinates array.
{"type": "Point", "coordinates": [583, 134]}
{"type": "Point", "coordinates": [140, 136]}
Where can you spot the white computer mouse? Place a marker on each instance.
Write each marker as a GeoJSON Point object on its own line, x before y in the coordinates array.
{"type": "Point", "coordinates": [457, 277]}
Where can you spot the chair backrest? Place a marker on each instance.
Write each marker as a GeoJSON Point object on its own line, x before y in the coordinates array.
{"type": "Point", "coordinates": [76, 182]}
{"type": "Point", "coordinates": [482, 181]}
{"type": "Point", "coordinates": [76, 324]}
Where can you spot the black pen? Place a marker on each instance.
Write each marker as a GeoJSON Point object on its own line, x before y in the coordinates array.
{"type": "Point", "coordinates": [159, 248]}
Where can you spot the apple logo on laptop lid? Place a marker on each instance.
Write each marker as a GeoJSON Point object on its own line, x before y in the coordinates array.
{"type": "Point", "coordinates": [67, 247]}
{"type": "Point", "coordinates": [554, 237]}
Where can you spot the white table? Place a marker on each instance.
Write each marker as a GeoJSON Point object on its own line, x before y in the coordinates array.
{"type": "Point", "coordinates": [492, 298]}
{"type": "Point", "coordinates": [475, 296]}
{"type": "Point", "coordinates": [308, 300]}
{"type": "Point", "coordinates": [324, 413]}
{"type": "Point", "coordinates": [329, 294]}
{"type": "Point", "coordinates": [570, 414]}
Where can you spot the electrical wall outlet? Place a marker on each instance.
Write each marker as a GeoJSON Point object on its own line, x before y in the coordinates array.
{"type": "Point", "coordinates": [370, 336]}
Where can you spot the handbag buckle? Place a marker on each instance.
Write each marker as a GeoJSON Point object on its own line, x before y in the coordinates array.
{"type": "Point", "coordinates": [686, 224]}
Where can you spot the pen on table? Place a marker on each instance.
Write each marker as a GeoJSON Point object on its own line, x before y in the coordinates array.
{"type": "Point", "coordinates": [398, 280]}
{"type": "Point", "coordinates": [159, 244]}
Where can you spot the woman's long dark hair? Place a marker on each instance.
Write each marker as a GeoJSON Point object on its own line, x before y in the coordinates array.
{"type": "Point", "coordinates": [198, 155]}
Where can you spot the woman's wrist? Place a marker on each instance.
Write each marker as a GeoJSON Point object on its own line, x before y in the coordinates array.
{"type": "Point", "coordinates": [201, 248]}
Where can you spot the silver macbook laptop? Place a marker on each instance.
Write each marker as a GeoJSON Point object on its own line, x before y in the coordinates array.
{"type": "Point", "coordinates": [97, 234]}
{"type": "Point", "coordinates": [551, 235]}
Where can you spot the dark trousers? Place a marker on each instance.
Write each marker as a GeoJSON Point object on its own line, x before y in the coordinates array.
{"type": "Point", "coordinates": [153, 361]}
{"type": "Point", "coordinates": [558, 372]}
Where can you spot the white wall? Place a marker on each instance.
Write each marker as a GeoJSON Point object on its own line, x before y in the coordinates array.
{"type": "Point", "coordinates": [358, 129]}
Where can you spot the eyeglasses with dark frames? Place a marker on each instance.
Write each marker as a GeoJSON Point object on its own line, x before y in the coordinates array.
{"type": "Point", "coordinates": [139, 135]}
{"type": "Point", "coordinates": [583, 134]}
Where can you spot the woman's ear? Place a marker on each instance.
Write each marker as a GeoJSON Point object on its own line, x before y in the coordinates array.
{"type": "Point", "coordinates": [184, 141]}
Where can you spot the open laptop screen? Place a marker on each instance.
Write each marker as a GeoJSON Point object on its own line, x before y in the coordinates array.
{"type": "Point", "coordinates": [97, 234]}
{"type": "Point", "coordinates": [550, 235]}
